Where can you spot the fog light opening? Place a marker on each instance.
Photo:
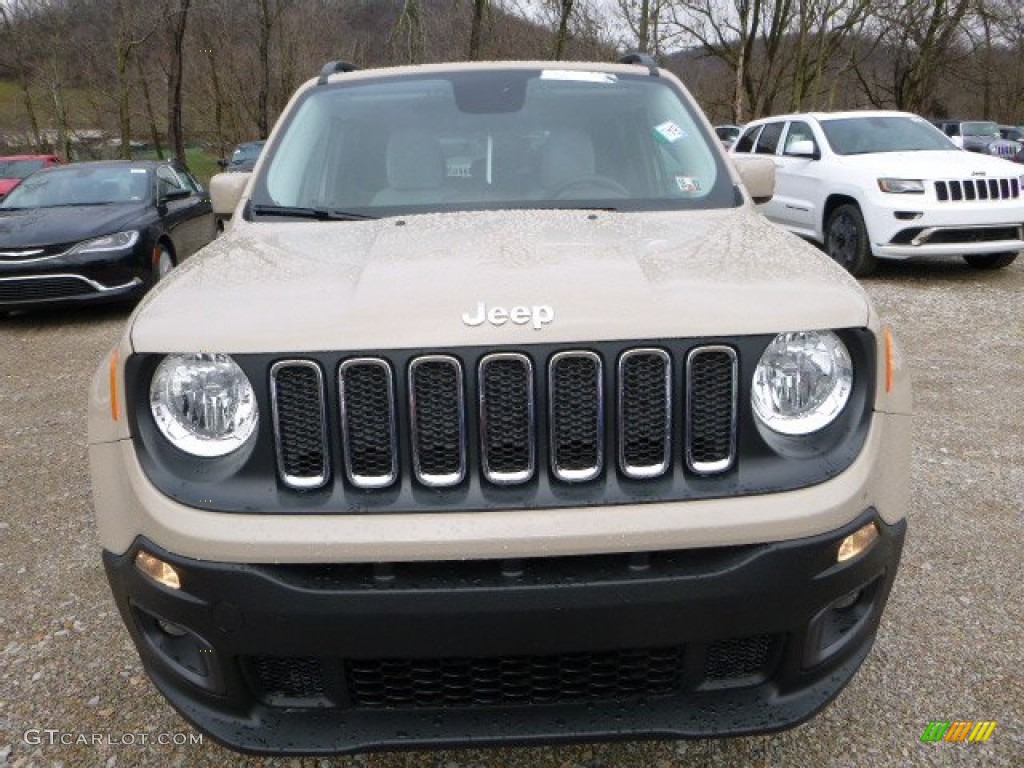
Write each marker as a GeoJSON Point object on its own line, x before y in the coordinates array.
{"type": "Point", "coordinates": [857, 543]}
{"type": "Point", "coordinates": [847, 601]}
{"type": "Point", "coordinates": [156, 569]}
{"type": "Point", "coordinates": [170, 628]}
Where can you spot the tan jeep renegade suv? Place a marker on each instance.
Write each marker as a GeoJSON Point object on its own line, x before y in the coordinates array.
{"type": "Point", "coordinates": [499, 415]}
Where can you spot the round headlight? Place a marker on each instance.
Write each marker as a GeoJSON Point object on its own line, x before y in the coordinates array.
{"type": "Point", "coordinates": [203, 403]}
{"type": "Point", "coordinates": [802, 382]}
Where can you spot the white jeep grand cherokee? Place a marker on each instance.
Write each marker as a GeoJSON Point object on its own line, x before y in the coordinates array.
{"type": "Point", "coordinates": [499, 415]}
{"type": "Point", "coordinates": [887, 185]}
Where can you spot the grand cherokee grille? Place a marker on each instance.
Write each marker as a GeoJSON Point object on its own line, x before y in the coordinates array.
{"type": "Point", "coordinates": [453, 416]}
{"type": "Point", "coordinates": [969, 190]}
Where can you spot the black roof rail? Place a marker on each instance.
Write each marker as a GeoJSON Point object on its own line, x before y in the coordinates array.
{"type": "Point", "coordinates": [333, 67]}
{"type": "Point", "coordinates": [643, 59]}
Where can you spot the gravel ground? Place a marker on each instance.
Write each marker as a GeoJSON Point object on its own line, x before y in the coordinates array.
{"type": "Point", "coordinates": [949, 647]}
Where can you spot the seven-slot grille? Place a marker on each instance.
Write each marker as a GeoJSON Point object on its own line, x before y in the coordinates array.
{"type": "Point", "coordinates": [961, 190]}
{"type": "Point", "coordinates": [438, 405]}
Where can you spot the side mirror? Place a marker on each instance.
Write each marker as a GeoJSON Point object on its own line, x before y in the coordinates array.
{"type": "Point", "coordinates": [174, 193]}
{"type": "Point", "coordinates": [803, 148]}
{"type": "Point", "coordinates": [226, 190]}
{"type": "Point", "coordinates": [757, 175]}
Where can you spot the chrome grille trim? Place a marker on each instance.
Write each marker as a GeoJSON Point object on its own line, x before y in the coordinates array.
{"type": "Point", "coordinates": [306, 480]}
{"type": "Point", "coordinates": [559, 420]}
{"type": "Point", "coordinates": [487, 439]}
{"type": "Point", "coordinates": [643, 471]}
{"type": "Point", "coordinates": [355, 464]}
{"type": "Point", "coordinates": [723, 463]}
{"type": "Point", "coordinates": [424, 448]}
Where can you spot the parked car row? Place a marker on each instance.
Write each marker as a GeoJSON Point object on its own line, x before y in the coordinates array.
{"type": "Point", "coordinates": [98, 231]}
{"type": "Point", "coordinates": [15, 168]}
{"type": "Point", "coordinates": [875, 185]}
{"type": "Point", "coordinates": [982, 136]}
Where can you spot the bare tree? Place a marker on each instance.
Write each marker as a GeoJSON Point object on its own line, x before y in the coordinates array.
{"type": "Point", "coordinates": [407, 33]}
{"type": "Point", "coordinates": [914, 44]}
{"type": "Point", "coordinates": [17, 60]}
{"type": "Point", "coordinates": [270, 12]}
{"type": "Point", "coordinates": [132, 32]}
{"type": "Point", "coordinates": [563, 10]}
{"type": "Point", "coordinates": [480, 8]}
{"type": "Point", "coordinates": [648, 23]}
{"type": "Point", "coordinates": [177, 21]}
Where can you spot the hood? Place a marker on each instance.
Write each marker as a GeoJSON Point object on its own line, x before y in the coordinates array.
{"type": "Point", "coordinates": [64, 224]}
{"type": "Point", "coordinates": [407, 282]}
{"type": "Point", "coordinates": [932, 164]}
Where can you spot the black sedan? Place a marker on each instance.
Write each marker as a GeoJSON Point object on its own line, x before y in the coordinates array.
{"type": "Point", "coordinates": [98, 231]}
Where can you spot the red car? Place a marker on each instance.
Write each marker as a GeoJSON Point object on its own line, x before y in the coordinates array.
{"type": "Point", "coordinates": [14, 168]}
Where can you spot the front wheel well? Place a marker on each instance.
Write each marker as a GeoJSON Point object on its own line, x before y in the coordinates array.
{"type": "Point", "coordinates": [831, 203]}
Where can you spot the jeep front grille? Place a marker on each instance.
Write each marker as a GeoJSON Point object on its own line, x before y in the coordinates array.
{"type": "Point", "coordinates": [969, 190]}
{"type": "Point", "coordinates": [645, 412]}
{"type": "Point", "coordinates": [367, 397]}
{"type": "Point", "coordinates": [711, 409]}
{"type": "Point", "coordinates": [576, 403]}
{"type": "Point", "coordinates": [300, 423]}
{"type": "Point", "coordinates": [446, 417]}
{"type": "Point", "coordinates": [437, 411]}
{"type": "Point", "coordinates": [507, 424]}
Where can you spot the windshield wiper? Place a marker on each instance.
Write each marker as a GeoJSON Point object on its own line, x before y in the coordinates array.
{"type": "Point", "coordinates": [299, 212]}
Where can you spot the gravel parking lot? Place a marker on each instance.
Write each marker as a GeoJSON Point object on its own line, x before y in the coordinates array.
{"type": "Point", "coordinates": [949, 648]}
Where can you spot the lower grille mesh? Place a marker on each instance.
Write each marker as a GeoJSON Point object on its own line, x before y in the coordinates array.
{"type": "Point", "coordinates": [398, 683]}
{"type": "Point", "coordinates": [465, 682]}
{"type": "Point", "coordinates": [20, 289]}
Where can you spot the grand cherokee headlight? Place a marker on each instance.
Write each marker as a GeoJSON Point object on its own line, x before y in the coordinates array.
{"type": "Point", "coordinates": [203, 403]}
{"type": "Point", "coordinates": [802, 382]}
{"type": "Point", "coordinates": [901, 186]}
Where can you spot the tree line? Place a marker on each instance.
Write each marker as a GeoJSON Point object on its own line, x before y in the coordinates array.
{"type": "Point", "coordinates": [171, 72]}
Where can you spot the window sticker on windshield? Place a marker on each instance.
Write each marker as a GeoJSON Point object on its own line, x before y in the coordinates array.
{"type": "Point", "coordinates": [669, 132]}
{"type": "Point", "coordinates": [137, 170]}
{"type": "Point", "coordinates": [583, 77]}
{"type": "Point", "coordinates": [688, 184]}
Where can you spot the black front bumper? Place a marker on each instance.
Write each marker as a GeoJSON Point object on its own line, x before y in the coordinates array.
{"type": "Point", "coordinates": [344, 658]}
{"type": "Point", "coordinates": [76, 279]}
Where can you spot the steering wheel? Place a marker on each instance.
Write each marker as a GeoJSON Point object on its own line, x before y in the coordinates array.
{"type": "Point", "coordinates": [592, 185]}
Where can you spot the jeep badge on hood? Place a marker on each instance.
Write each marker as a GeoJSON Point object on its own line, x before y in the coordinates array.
{"type": "Point", "coordinates": [541, 315]}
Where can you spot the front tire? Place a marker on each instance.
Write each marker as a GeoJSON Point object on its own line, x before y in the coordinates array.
{"type": "Point", "coordinates": [846, 241]}
{"type": "Point", "coordinates": [991, 260]}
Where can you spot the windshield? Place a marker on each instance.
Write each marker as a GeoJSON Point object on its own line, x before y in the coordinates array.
{"type": "Point", "coordinates": [987, 130]}
{"type": "Point", "coordinates": [495, 139]}
{"type": "Point", "coordinates": [889, 133]}
{"type": "Point", "coordinates": [246, 152]}
{"type": "Point", "coordinates": [19, 169]}
{"type": "Point", "coordinates": [81, 185]}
